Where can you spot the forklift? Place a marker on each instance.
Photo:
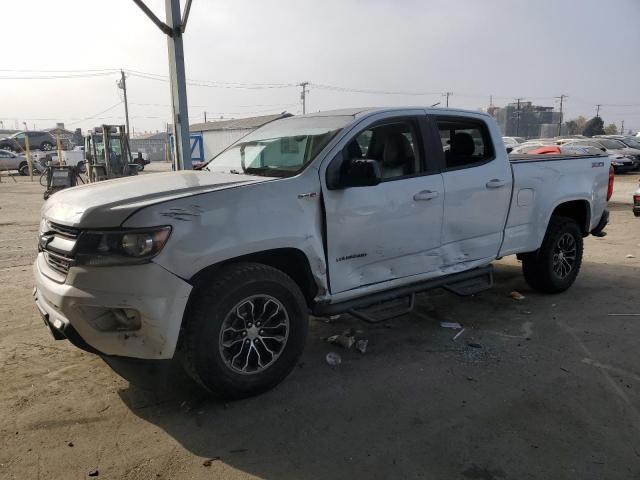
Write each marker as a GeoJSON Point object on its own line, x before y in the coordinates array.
{"type": "Point", "coordinates": [108, 154]}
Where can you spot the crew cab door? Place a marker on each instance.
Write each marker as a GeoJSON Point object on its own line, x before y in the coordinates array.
{"type": "Point", "coordinates": [390, 230]}
{"type": "Point", "coordinates": [477, 183]}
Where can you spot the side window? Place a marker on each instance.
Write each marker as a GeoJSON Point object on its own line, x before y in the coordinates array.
{"type": "Point", "coordinates": [19, 136]}
{"type": "Point", "coordinates": [465, 142]}
{"type": "Point", "coordinates": [393, 145]}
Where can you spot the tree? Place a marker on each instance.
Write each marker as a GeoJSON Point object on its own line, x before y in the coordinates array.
{"type": "Point", "coordinates": [595, 126]}
{"type": "Point", "coordinates": [611, 129]}
{"type": "Point", "coordinates": [575, 126]}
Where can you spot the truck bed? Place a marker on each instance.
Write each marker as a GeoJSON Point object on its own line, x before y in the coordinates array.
{"type": "Point", "coordinates": [547, 157]}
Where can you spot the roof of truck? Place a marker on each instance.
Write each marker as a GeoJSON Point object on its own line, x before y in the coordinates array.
{"type": "Point", "coordinates": [369, 110]}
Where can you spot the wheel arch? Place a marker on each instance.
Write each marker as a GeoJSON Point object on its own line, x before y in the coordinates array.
{"type": "Point", "coordinates": [578, 210]}
{"type": "Point", "coordinates": [290, 261]}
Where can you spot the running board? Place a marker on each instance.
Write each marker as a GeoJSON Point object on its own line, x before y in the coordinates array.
{"type": "Point", "coordinates": [463, 283]}
{"type": "Point", "coordinates": [381, 312]}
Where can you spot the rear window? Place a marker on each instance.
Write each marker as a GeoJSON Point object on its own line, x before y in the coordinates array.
{"type": "Point", "coordinates": [465, 142]}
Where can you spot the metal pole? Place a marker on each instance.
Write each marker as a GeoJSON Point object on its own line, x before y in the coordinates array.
{"type": "Point", "coordinates": [181, 144]}
{"type": "Point", "coordinates": [518, 117]}
{"type": "Point", "coordinates": [447, 94]}
{"type": "Point", "coordinates": [205, 117]}
{"type": "Point", "coordinates": [622, 128]}
{"type": "Point", "coordinates": [598, 109]}
{"type": "Point", "coordinates": [303, 96]}
{"type": "Point", "coordinates": [29, 162]}
{"type": "Point", "coordinates": [123, 86]}
{"type": "Point", "coordinates": [561, 97]}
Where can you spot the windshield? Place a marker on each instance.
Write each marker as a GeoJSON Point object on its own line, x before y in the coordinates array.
{"type": "Point", "coordinates": [630, 142]}
{"type": "Point", "coordinates": [611, 144]}
{"type": "Point", "coordinates": [279, 149]}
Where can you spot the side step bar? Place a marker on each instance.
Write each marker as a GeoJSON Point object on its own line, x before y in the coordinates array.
{"type": "Point", "coordinates": [381, 306]}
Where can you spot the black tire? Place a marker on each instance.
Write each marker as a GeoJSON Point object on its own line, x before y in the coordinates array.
{"type": "Point", "coordinates": [46, 146]}
{"type": "Point", "coordinates": [23, 169]}
{"type": "Point", "coordinates": [213, 304]}
{"type": "Point", "coordinates": [545, 270]}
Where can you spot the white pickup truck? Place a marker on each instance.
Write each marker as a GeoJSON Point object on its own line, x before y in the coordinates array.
{"type": "Point", "coordinates": [344, 211]}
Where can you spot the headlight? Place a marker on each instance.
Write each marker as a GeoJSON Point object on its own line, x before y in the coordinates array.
{"type": "Point", "coordinates": [120, 247]}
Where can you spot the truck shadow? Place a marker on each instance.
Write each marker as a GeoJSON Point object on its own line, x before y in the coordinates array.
{"type": "Point", "coordinates": [411, 406]}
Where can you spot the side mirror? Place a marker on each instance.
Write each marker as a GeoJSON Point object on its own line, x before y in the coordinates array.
{"type": "Point", "coordinates": [603, 149]}
{"type": "Point", "coordinates": [509, 149]}
{"type": "Point", "coordinates": [360, 173]}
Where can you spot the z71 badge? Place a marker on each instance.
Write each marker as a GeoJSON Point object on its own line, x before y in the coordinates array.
{"type": "Point", "coordinates": [597, 164]}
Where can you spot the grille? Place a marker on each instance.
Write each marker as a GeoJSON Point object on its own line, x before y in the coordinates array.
{"type": "Point", "coordinates": [59, 263]}
{"type": "Point", "coordinates": [63, 230]}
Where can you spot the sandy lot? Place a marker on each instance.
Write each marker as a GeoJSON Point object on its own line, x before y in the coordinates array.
{"type": "Point", "coordinates": [552, 392]}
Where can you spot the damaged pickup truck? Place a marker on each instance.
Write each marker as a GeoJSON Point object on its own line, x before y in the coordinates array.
{"type": "Point", "coordinates": [344, 211]}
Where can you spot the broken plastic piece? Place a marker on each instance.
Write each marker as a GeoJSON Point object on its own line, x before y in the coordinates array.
{"type": "Point", "coordinates": [343, 340]}
{"type": "Point", "coordinates": [517, 295]}
{"type": "Point", "coordinates": [454, 325]}
{"type": "Point", "coordinates": [333, 359]}
{"type": "Point", "coordinates": [631, 256]}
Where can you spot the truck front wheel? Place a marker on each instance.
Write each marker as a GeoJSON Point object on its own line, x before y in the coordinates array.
{"type": "Point", "coordinates": [244, 331]}
{"type": "Point", "coordinates": [555, 265]}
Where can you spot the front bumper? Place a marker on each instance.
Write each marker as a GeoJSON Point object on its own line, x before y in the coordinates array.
{"type": "Point", "coordinates": [71, 307]}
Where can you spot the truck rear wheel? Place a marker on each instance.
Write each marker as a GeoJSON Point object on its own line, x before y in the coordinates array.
{"type": "Point", "coordinates": [244, 331]}
{"type": "Point", "coordinates": [555, 265]}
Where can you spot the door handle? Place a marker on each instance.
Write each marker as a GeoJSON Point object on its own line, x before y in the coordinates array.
{"type": "Point", "coordinates": [496, 183]}
{"type": "Point", "coordinates": [425, 195]}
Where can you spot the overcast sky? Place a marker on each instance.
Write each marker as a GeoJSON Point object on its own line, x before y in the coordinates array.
{"type": "Point", "coordinates": [505, 48]}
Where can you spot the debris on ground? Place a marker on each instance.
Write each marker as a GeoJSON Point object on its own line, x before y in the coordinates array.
{"type": "Point", "coordinates": [70, 444]}
{"type": "Point", "coordinates": [345, 341]}
{"type": "Point", "coordinates": [94, 473]}
{"type": "Point", "coordinates": [333, 359]}
{"type": "Point", "coordinates": [454, 325]}
{"type": "Point", "coordinates": [458, 334]}
{"type": "Point", "coordinates": [517, 295]}
{"type": "Point", "coordinates": [361, 345]}
{"type": "Point", "coordinates": [631, 256]}
{"type": "Point", "coordinates": [209, 461]}
{"type": "Point", "coordinates": [474, 345]}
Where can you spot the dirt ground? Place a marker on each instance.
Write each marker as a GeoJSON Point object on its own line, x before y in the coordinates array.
{"type": "Point", "coordinates": [543, 388]}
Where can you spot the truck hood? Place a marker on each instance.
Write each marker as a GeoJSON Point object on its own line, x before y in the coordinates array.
{"type": "Point", "coordinates": [107, 204]}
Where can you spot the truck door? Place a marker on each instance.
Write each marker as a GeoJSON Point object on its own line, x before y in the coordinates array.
{"type": "Point", "coordinates": [477, 183]}
{"type": "Point", "coordinates": [390, 230]}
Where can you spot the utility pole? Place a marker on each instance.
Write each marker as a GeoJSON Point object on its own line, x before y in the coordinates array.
{"type": "Point", "coordinates": [447, 94]}
{"type": "Point", "coordinates": [122, 83]}
{"type": "Point", "coordinates": [303, 96]}
{"type": "Point", "coordinates": [598, 109]}
{"type": "Point", "coordinates": [561, 97]}
{"type": "Point", "coordinates": [173, 29]}
{"type": "Point", "coordinates": [622, 128]}
{"type": "Point", "coordinates": [518, 100]}
{"type": "Point", "coordinates": [205, 117]}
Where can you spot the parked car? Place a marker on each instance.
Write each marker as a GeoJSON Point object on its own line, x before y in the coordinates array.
{"type": "Point", "coordinates": [37, 141]}
{"type": "Point", "coordinates": [220, 268]}
{"type": "Point", "coordinates": [628, 158]}
{"type": "Point", "coordinates": [636, 202]}
{"type": "Point", "coordinates": [13, 161]}
{"type": "Point", "coordinates": [512, 142]}
{"type": "Point", "coordinates": [630, 142]}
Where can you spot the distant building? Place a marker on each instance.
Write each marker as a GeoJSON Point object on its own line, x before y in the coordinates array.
{"type": "Point", "coordinates": [218, 135]}
{"type": "Point", "coordinates": [153, 144]}
{"type": "Point", "coordinates": [527, 120]}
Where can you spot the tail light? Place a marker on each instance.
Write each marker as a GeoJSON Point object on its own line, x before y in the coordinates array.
{"type": "Point", "coordinates": [636, 200]}
{"type": "Point", "coordinates": [610, 189]}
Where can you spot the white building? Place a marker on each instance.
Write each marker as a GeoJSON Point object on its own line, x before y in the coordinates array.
{"type": "Point", "coordinates": [218, 135]}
